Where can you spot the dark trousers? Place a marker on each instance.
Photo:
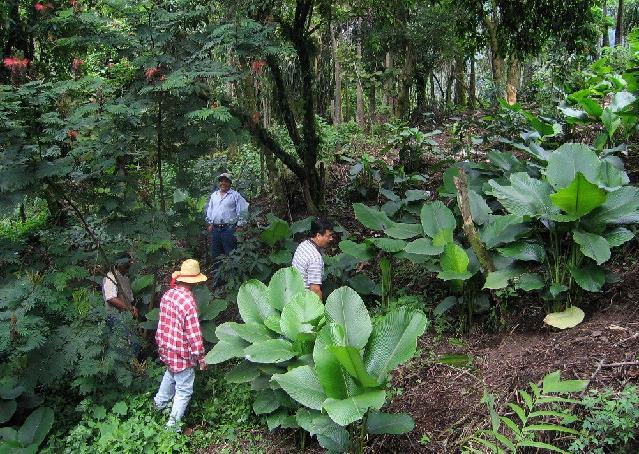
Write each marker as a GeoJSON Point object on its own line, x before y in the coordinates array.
{"type": "Point", "coordinates": [222, 243]}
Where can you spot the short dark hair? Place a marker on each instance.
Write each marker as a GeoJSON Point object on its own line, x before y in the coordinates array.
{"type": "Point", "coordinates": [123, 258]}
{"type": "Point", "coordinates": [320, 226]}
{"type": "Point", "coordinates": [224, 178]}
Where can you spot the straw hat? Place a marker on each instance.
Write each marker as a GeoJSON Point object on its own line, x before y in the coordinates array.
{"type": "Point", "coordinates": [189, 273]}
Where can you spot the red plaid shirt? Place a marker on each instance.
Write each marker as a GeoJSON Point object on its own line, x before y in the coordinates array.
{"type": "Point", "coordinates": [178, 336]}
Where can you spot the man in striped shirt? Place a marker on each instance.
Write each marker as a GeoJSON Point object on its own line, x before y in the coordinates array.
{"type": "Point", "coordinates": [308, 255]}
{"type": "Point", "coordinates": [179, 340]}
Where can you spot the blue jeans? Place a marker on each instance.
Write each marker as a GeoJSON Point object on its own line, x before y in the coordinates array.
{"type": "Point", "coordinates": [179, 387]}
{"type": "Point", "coordinates": [222, 242]}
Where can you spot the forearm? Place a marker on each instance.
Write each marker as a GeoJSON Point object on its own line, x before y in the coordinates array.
{"type": "Point", "coordinates": [120, 304]}
{"type": "Point", "coordinates": [317, 289]}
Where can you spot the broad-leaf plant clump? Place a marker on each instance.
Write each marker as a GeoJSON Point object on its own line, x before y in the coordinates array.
{"type": "Point", "coordinates": [324, 368]}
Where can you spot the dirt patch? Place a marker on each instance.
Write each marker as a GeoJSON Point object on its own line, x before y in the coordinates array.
{"type": "Point", "coordinates": [445, 401]}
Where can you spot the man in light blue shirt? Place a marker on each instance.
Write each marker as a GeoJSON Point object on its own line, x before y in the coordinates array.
{"type": "Point", "coordinates": [225, 212]}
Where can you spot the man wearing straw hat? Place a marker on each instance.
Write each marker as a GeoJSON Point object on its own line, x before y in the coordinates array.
{"type": "Point", "coordinates": [179, 340]}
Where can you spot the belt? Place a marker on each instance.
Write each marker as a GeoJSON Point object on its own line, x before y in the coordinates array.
{"type": "Point", "coordinates": [220, 226]}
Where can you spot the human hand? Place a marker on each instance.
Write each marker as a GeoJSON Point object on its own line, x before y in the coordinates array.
{"type": "Point", "coordinates": [203, 365]}
{"type": "Point", "coordinates": [210, 228]}
{"type": "Point", "coordinates": [134, 311]}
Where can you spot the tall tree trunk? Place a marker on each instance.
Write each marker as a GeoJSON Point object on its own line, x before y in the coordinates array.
{"type": "Point", "coordinates": [337, 95]}
{"type": "Point", "coordinates": [360, 90]}
{"type": "Point", "coordinates": [420, 86]}
{"type": "Point", "coordinates": [460, 86]}
{"type": "Point", "coordinates": [389, 99]}
{"type": "Point", "coordinates": [403, 100]}
{"type": "Point", "coordinates": [605, 42]}
{"type": "Point", "coordinates": [513, 82]}
{"type": "Point", "coordinates": [472, 84]}
{"type": "Point", "coordinates": [497, 59]}
{"type": "Point", "coordinates": [372, 105]}
{"type": "Point", "coordinates": [449, 85]}
{"type": "Point", "coordinates": [433, 95]}
{"type": "Point", "coordinates": [619, 28]}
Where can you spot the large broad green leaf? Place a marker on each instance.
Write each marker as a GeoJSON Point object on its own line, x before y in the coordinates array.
{"type": "Point", "coordinates": [618, 236]}
{"type": "Point", "coordinates": [208, 331]}
{"type": "Point", "coordinates": [569, 318]}
{"type": "Point", "coordinates": [243, 373]}
{"type": "Point", "coordinates": [454, 263]}
{"type": "Point", "coordinates": [621, 207]}
{"type": "Point", "coordinates": [345, 307]}
{"type": "Point", "coordinates": [361, 251]}
{"type": "Point", "coordinates": [423, 246]}
{"type": "Point", "coordinates": [413, 195]}
{"type": "Point", "coordinates": [250, 332]}
{"type": "Point", "coordinates": [387, 423]}
{"type": "Point", "coordinates": [594, 246]}
{"type": "Point", "coordinates": [142, 282]}
{"type": "Point", "coordinates": [388, 244]}
{"type": "Point", "coordinates": [303, 225]}
{"type": "Point", "coordinates": [505, 161]}
{"type": "Point", "coordinates": [269, 351]}
{"type": "Point", "coordinates": [254, 302]}
{"type": "Point", "coordinates": [330, 436]}
{"type": "Point", "coordinates": [371, 218]}
{"type": "Point", "coordinates": [337, 383]}
{"type": "Point", "coordinates": [393, 341]}
{"type": "Point", "coordinates": [351, 361]}
{"type": "Point", "coordinates": [351, 409]}
{"type": "Point", "coordinates": [403, 231]}
{"type": "Point", "coordinates": [589, 278]}
{"type": "Point", "coordinates": [277, 231]}
{"type": "Point", "coordinates": [436, 216]}
{"type": "Point", "coordinates": [443, 237]}
{"type": "Point", "coordinates": [530, 281]}
{"type": "Point", "coordinates": [225, 350]}
{"type": "Point", "coordinates": [265, 402]}
{"type": "Point", "coordinates": [569, 159]}
{"type": "Point", "coordinates": [284, 284]}
{"type": "Point", "coordinates": [212, 308]}
{"type": "Point", "coordinates": [621, 100]}
{"type": "Point", "coordinates": [36, 427]}
{"type": "Point", "coordinates": [553, 384]}
{"type": "Point", "coordinates": [611, 121]}
{"type": "Point", "coordinates": [612, 174]}
{"type": "Point", "coordinates": [580, 197]}
{"type": "Point", "coordinates": [7, 409]}
{"type": "Point", "coordinates": [502, 229]}
{"type": "Point", "coordinates": [526, 196]}
{"type": "Point", "coordinates": [303, 386]}
{"type": "Point", "coordinates": [499, 279]}
{"type": "Point", "coordinates": [524, 251]}
{"type": "Point", "coordinates": [297, 314]}
{"type": "Point", "coordinates": [479, 209]}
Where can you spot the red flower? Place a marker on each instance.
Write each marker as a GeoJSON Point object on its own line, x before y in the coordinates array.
{"type": "Point", "coordinates": [257, 66]}
{"type": "Point", "coordinates": [151, 73]}
{"type": "Point", "coordinates": [76, 64]}
{"type": "Point", "coordinates": [73, 134]}
{"type": "Point", "coordinates": [43, 7]}
{"type": "Point", "coordinates": [15, 64]}
{"type": "Point", "coordinates": [39, 7]}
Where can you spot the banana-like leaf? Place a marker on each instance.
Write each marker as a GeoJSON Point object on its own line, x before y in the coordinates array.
{"type": "Point", "coordinates": [243, 373]}
{"type": "Point", "coordinates": [269, 351]}
{"type": "Point", "coordinates": [254, 302]}
{"type": "Point", "coordinates": [35, 428]}
{"type": "Point", "coordinates": [502, 229]}
{"type": "Point", "coordinates": [208, 331]}
{"type": "Point", "coordinates": [337, 383]}
{"type": "Point", "coordinates": [478, 208]}
{"type": "Point", "coordinates": [351, 361]}
{"type": "Point", "coordinates": [393, 341]}
{"type": "Point", "coordinates": [7, 409]}
{"type": "Point", "coordinates": [618, 236]}
{"type": "Point", "coordinates": [436, 216]}
{"type": "Point", "coordinates": [388, 244]}
{"type": "Point", "coordinates": [524, 251]}
{"type": "Point", "coordinates": [351, 409]}
{"type": "Point", "coordinates": [371, 218]}
{"type": "Point", "coordinates": [265, 402]}
{"type": "Point", "coordinates": [568, 160]}
{"type": "Point", "coordinates": [443, 237]}
{"type": "Point", "coordinates": [212, 308]}
{"type": "Point", "coordinates": [588, 278]}
{"type": "Point", "coordinates": [530, 281]}
{"type": "Point", "coordinates": [621, 207]}
{"type": "Point", "coordinates": [302, 384]}
{"type": "Point", "coordinates": [403, 231]}
{"type": "Point", "coordinates": [387, 423]}
{"type": "Point", "coordinates": [526, 196]}
{"type": "Point", "coordinates": [499, 279]}
{"type": "Point", "coordinates": [225, 350]}
{"type": "Point", "coordinates": [454, 263]}
{"type": "Point", "coordinates": [302, 309]}
{"type": "Point", "coordinates": [569, 318]}
{"type": "Point", "coordinates": [284, 284]}
{"type": "Point", "coordinates": [361, 251]}
{"type": "Point", "coordinates": [580, 197]}
{"type": "Point", "coordinates": [330, 436]}
{"type": "Point", "coordinates": [345, 307]}
{"type": "Point", "coordinates": [594, 246]}
{"type": "Point", "coordinates": [423, 246]}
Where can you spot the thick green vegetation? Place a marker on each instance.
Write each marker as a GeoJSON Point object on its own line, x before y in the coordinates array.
{"type": "Point", "coordinates": [479, 157]}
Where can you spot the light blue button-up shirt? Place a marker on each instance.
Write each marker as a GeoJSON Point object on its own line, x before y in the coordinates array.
{"type": "Point", "coordinates": [230, 208]}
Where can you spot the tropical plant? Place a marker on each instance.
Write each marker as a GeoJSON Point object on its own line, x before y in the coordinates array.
{"type": "Point", "coordinates": [304, 358]}
{"type": "Point", "coordinates": [28, 437]}
{"type": "Point", "coordinates": [545, 410]}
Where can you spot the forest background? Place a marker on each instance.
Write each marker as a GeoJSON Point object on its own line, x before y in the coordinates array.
{"type": "Point", "coordinates": [479, 157]}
